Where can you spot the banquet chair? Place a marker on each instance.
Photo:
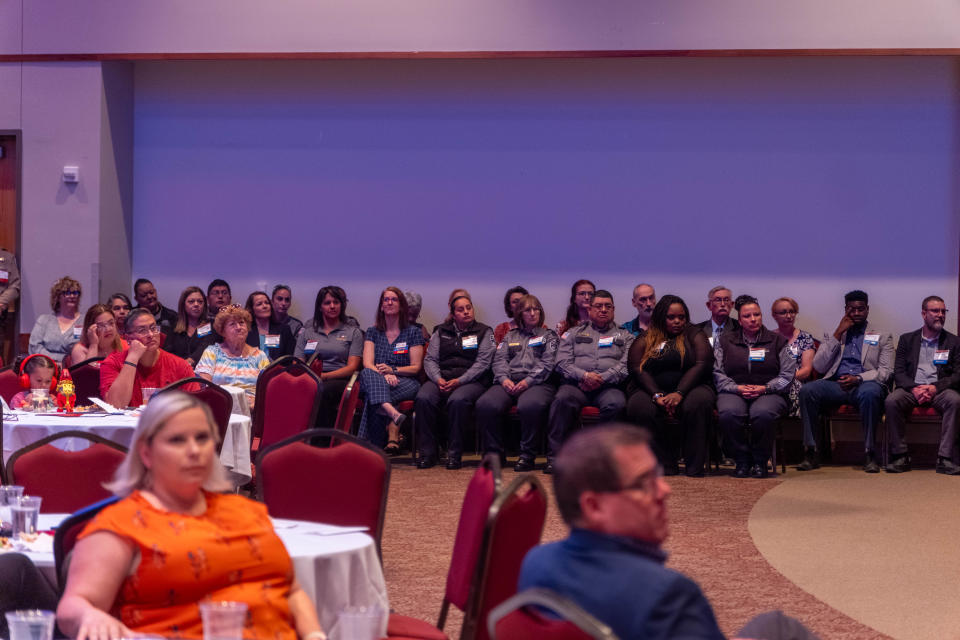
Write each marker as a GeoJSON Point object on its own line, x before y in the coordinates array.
{"type": "Point", "coordinates": [315, 363]}
{"type": "Point", "coordinates": [9, 383]}
{"type": "Point", "coordinates": [213, 395]}
{"type": "Point", "coordinates": [66, 480]}
{"type": "Point", "coordinates": [86, 379]}
{"type": "Point", "coordinates": [345, 485]}
{"type": "Point", "coordinates": [287, 400]}
{"type": "Point", "coordinates": [65, 537]}
{"type": "Point", "coordinates": [516, 618]}
{"type": "Point", "coordinates": [348, 406]}
{"type": "Point", "coordinates": [511, 526]}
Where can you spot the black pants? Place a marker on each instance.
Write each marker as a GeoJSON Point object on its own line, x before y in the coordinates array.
{"type": "Point", "coordinates": [533, 406]}
{"type": "Point", "coordinates": [459, 404]}
{"type": "Point", "coordinates": [688, 433]}
{"type": "Point", "coordinates": [330, 402]}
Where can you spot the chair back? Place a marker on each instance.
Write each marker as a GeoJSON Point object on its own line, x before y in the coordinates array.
{"type": "Point", "coordinates": [348, 406]}
{"type": "Point", "coordinates": [65, 537]}
{"type": "Point", "coordinates": [514, 526]}
{"type": "Point", "coordinates": [66, 480]}
{"type": "Point", "coordinates": [9, 383]}
{"type": "Point", "coordinates": [315, 363]}
{"type": "Point", "coordinates": [344, 485]}
{"type": "Point", "coordinates": [213, 395]}
{"type": "Point", "coordinates": [86, 379]}
{"type": "Point", "coordinates": [287, 400]}
{"type": "Point", "coordinates": [515, 619]}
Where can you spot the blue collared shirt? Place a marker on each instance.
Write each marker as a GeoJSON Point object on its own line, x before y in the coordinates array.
{"type": "Point", "coordinates": [851, 363]}
{"type": "Point", "coordinates": [926, 370]}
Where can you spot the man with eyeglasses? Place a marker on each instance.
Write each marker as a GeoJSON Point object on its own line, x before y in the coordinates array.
{"type": "Point", "coordinates": [124, 374]}
{"type": "Point", "coordinates": [644, 300]}
{"type": "Point", "coordinates": [612, 494]}
{"type": "Point", "coordinates": [218, 296]}
{"type": "Point", "coordinates": [927, 372]}
{"type": "Point", "coordinates": [592, 358]}
{"type": "Point", "coordinates": [146, 296]}
{"type": "Point", "coordinates": [720, 304]}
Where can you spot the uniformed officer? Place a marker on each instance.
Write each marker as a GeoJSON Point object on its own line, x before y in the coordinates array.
{"type": "Point", "coordinates": [592, 359]}
{"type": "Point", "coordinates": [9, 290]}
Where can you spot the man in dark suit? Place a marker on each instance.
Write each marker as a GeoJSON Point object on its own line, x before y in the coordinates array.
{"type": "Point", "coordinates": [720, 303]}
{"type": "Point", "coordinates": [927, 373]}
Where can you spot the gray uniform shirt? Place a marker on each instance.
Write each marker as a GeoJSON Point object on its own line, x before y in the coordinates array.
{"type": "Point", "coordinates": [9, 278]}
{"type": "Point", "coordinates": [332, 348]}
{"type": "Point", "coordinates": [526, 356]}
{"type": "Point", "coordinates": [587, 348]}
{"type": "Point", "coordinates": [485, 350]}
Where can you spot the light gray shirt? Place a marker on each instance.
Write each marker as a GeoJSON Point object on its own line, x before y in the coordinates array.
{"type": "Point", "coordinates": [46, 337]}
{"type": "Point", "coordinates": [926, 370]}
{"type": "Point", "coordinates": [586, 348]}
{"type": "Point", "coordinates": [332, 348]}
{"type": "Point", "coordinates": [519, 360]}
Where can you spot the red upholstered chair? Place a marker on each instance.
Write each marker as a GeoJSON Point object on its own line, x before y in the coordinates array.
{"type": "Point", "coordinates": [65, 537]}
{"type": "Point", "coordinates": [213, 395]}
{"type": "Point", "coordinates": [315, 363]}
{"type": "Point", "coordinates": [9, 383]}
{"type": "Point", "coordinates": [516, 619]}
{"type": "Point", "coordinates": [512, 526]}
{"type": "Point", "coordinates": [66, 480]}
{"type": "Point", "coordinates": [86, 379]}
{"type": "Point", "coordinates": [287, 401]}
{"type": "Point", "coordinates": [347, 410]}
{"type": "Point", "coordinates": [345, 484]}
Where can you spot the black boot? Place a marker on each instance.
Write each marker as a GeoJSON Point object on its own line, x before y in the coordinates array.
{"type": "Point", "coordinates": [811, 460]}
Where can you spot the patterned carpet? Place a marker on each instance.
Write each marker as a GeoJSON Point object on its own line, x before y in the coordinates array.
{"type": "Point", "coordinates": [710, 542]}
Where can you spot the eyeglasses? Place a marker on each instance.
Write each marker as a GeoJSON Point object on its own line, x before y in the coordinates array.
{"type": "Point", "coordinates": [937, 312]}
{"type": "Point", "coordinates": [72, 292]}
{"type": "Point", "coordinates": [602, 306]}
{"type": "Point", "coordinates": [647, 483]}
{"type": "Point", "coordinates": [721, 300]}
{"type": "Point", "coordinates": [584, 294]}
{"type": "Point", "coordinates": [109, 324]}
{"type": "Point", "coordinates": [785, 312]}
{"type": "Point", "coordinates": [144, 331]}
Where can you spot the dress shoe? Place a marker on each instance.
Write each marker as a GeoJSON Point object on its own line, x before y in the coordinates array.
{"type": "Point", "coordinates": [523, 465]}
{"type": "Point", "coordinates": [742, 471]}
{"type": "Point", "coordinates": [548, 468]}
{"type": "Point", "coordinates": [759, 471]}
{"type": "Point", "coordinates": [870, 465]}
{"type": "Point", "coordinates": [810, 462]}
{"type": "Point", "coordinates": [426, 462]}
{"type": "Point", "coordinates": [946, 466]}
{"type": "Point", "coordinates": [453, 463]}
{"type": "Point", "coordinates": [900, 464]}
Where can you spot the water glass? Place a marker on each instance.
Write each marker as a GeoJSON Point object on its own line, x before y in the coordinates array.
{"type": "Point", "coordinates": [25, 512]}
{"type": "Point", "coordinates": [359, 623]}
{"type": "Point", "coordinates": [9, 494]}
{"type": "Point", "coordinates": [31, 624]}
{"type": "Point", "coordinates": [41, 401]}
{"type": "Point", "coordinates": [223, 620]}
{"type": "Point", "coordinates": [148, 392]}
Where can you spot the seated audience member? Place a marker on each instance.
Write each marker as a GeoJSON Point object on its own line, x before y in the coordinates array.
{"type": "Point", "coordinates": [720, 303]}
{"type": "Point", "coordinates": [392, 360]}
{"type": "Point", "coordinates": [802, 348]}
{"type": "Point", "coordinates": [350, 319]}
{"type": "Point", "coordinates": [177, 538]}
{"type": "Point", "coordinates": [338, 345]}
{"type": "Point", "coordinates": [753, 368]}
{"type": "Point", "coordinates": [40, 371]}
{"type": "Point", "coordinates": [99, 337]}
{"type": "Point", "coordinates": [146, 296]}
{"type": "Point", "coordinates": [191, 333]}
{"type": "Point", "coordinates": [856, 362]}
{"type": "Point", "coordinates": [592, 360]}
{"type": "Point", "coordinates": [578, 311]}
{"type": "Point", "coordinates": [120, 305]}
{"type": "Point", "coordinates": [54, 334]}
{"type": "Point", "coordinates": [234, 361]}
{"type": "Point", "coordinates": [218, 296]}
{"type": "Point", "coordinates": [610, 492]}
{"type": "Point", "coordinates": [457, 365]}
{"type": "Point", "coordinates": [124, 374]}
{"type": "Point", "coordinates": [672, 368]}
{"type": "Point", "coordinates": [273, 339]}
{"type": "Point", "coordinates": [281, 300]}
{"type": "Point", "coordinates": [522, 364]}
{"type": "Point", "coordinates": [927, 372]}
{"type": "Point", "coordinates": [510, 301]}
{"type": "Point", "coordinates": [456, 293]}
{"type": "Point", "coordinates": [644, 299]}
{"type": "Point", "coordinates": [414, 306]}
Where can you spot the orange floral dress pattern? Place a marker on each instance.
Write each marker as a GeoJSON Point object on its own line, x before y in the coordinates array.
{"type": "Point", "coordinates": [229, 553]}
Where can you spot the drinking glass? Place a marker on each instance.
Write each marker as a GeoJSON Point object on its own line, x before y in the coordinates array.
{"type": "Point", "coordinates": [223, 620]}
{"type": "Point", "coordinates": [31, 624]}
{"type": "Point", "coordinates": [25, 513]}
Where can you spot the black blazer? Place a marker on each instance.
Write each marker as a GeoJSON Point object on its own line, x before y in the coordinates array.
{"type": "Point", "coordinates": [287, 343]}
{"type": "Point", "coordinates": [707, 326]}
{"type": "Point", "coordinates": [908, 356]}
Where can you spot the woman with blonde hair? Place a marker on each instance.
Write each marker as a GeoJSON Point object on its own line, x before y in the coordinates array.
{"type": "Point", "coordinates": [801, 343]}
{"type": "Point", "coordinates": [233, 361]}
{"type": "Point", "coordinates": [126, 562]}
{"type": "Point", "coordinates": [99, 337]}
{"type": "Point", "coordinates": [54, 334]}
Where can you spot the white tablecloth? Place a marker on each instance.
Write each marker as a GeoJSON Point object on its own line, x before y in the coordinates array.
{"type": "Point", "coordinates": [336, 566]}
{"type": "Point", "coordinates": [241, 404]}
{"type": "Point", "coordinates": [22, 428]}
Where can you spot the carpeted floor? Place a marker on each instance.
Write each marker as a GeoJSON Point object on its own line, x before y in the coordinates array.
{"type": "Point", "coordinates": [711, 542]}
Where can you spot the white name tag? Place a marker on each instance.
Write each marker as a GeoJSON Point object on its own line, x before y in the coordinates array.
{"type": "Point", "coordinates": [605, 342]}
{"type": "Point", "coordinates": [310, 347]}
{"type": "Point", "coordinates": [872, 338]}
{"type": "Point", "coordinates": [77, 332]}
{"type": "Point", "coordinates": [271, 341]}
{"type": "Point", "coordinates": [400, 348]}
{"type": "Point", "coordinates": [204, 329]}
{"type": "Point", "coordinates": [757, 355]}
{"type": "Point", "coordinates": [535, 342]}
{"type": "Point", "coordinates": [4, 277]}
{"type": "Point", "coordinates": [469, 342]}
{"type": "Point", "coordinates": [941, 357]}
{"type": "Point", "coordinates": [662, 346]}
{"type": "Point", "coordinates": [710, 340]}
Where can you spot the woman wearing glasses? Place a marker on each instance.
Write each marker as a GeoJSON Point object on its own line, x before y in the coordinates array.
{"type": "Point", "coordinates": [801, 344]}
{"type": "Point", "coordinates": [578, 312]}
{"type": "Point", "coordinates": [54, 334]}
{"type": "Point", "coordinates": [125, 374]}
{"type": "Point", "coordinates": [233, 361]}
{"type": "Point", "coordinates": [99, 338]}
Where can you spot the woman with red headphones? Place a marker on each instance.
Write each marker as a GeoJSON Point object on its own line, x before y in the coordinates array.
{"type": "Point", "coordinates": [36, 372]}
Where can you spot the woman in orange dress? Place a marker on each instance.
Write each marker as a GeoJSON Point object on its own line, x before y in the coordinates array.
{"type": "Point", "coordinates": [145, 563]}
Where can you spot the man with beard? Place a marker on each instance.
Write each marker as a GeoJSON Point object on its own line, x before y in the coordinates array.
{"type": "Point", "coordinates": [644, 300]}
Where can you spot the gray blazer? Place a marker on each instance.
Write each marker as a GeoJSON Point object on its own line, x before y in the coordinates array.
{"type": "Point", "coordinates": [877, 359]}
